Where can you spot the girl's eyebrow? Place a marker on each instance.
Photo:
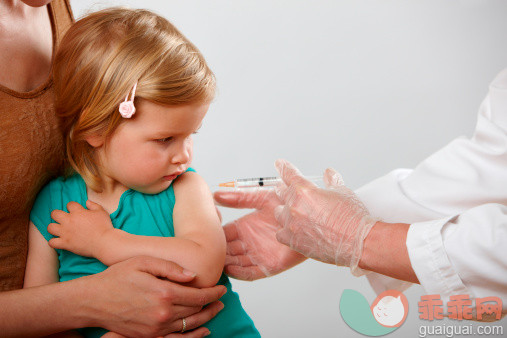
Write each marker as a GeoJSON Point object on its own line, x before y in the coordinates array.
{"type": "Point", "coordinates": [163, 133]}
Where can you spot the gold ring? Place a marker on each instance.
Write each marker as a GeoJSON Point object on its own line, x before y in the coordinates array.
{"type": "Point", "coordinates": [184, 325]}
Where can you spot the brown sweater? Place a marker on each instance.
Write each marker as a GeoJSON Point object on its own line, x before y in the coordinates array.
{"type": "Point", "coordinates": [31, 152]}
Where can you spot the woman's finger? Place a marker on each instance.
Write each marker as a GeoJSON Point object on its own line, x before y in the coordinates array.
{"type": "Point", "coordinates": [181, 311]}
{"type": "Point", "coordinates": [189, 296]}
{"type": "Point", "coordinates": [112, 335]}
{"type": "Point", "coordinates": [197, 333]}
{"type": "Point", "coordinates": [162, 268]}
{"type": "Point", "coordinates": [198, 319]}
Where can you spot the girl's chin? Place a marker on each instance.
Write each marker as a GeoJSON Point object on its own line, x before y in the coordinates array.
{"type": "Point", "coordinates": [155, 188]}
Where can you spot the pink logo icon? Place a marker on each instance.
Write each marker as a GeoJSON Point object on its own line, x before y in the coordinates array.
{"type": "Point", "coordinates": [390, 308]}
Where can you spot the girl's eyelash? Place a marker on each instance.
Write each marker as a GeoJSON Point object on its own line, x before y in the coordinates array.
{"type": "Point", "coordinates": [166, 139]}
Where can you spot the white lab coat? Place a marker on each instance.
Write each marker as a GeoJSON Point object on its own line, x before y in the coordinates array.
{"type": "Point", "coordinates": [456, 203]}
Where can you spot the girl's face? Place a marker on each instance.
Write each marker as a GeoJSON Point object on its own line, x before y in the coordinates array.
{"type": "Point", "coordinates": [148, 151]}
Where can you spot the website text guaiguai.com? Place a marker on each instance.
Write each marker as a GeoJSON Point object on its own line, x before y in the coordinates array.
{"type": "Point", "coordinates": [465, 330]}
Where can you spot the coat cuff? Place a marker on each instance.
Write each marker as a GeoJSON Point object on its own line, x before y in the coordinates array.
{"type": "Point", "coordinates": [430, 261]}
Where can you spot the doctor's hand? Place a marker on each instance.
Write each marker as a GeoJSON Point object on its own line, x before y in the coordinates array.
{"type": "Point", "coordinates": [328, 225]}
{"type": "Point", "coordinates": [252, 249]}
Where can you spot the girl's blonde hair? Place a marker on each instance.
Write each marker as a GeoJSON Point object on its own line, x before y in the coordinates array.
{"type": "Point", "coordinates": [98, 62]}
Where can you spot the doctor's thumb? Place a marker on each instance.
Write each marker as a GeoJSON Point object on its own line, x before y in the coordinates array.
{"type": "Point", "coordinates": [332, 179]}
{"type": "Point", "coordinates": [289, 174]}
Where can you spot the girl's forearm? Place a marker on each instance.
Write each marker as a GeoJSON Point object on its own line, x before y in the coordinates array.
{"type": "Point", "coordinates": [206, 263]}
{"type": "Point", "coordinates": [385, 251]}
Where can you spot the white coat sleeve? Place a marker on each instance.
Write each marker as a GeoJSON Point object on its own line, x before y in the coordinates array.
{"type": "Point", "coordinates": [462, 255]}
{"type": "Point", "coordinates": [466, 173]}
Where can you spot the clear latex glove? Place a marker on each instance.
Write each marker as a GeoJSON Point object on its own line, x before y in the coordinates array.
{"type": "Point", "coordinates": [252, 249]}
{"type": "Point", "coordinates": [328, 225]}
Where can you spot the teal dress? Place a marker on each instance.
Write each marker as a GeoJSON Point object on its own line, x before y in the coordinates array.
{"type": "Point", "coordinates": [139, 214]}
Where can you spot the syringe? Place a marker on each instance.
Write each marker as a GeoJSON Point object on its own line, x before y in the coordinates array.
{"type": "Point", "coordinates": [261, 182]}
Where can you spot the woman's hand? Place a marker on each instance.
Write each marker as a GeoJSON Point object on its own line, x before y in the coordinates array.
{"type": "Point", "coordinates": [81, 231]}
{"type": "Point", "coordinates": [197, 333]}
{"type": "Point", "coordinates": [141, 297]}
{"type": "Point", "coordinates": [328, 225]}
{"type": "Point", "coordinates": [252, 249]}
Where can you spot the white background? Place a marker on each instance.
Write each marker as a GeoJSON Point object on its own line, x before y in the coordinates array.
{"type": "Point", "coordinates": [362, 86]}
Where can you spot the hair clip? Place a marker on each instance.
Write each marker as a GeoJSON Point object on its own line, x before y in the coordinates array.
{"type": "Point", "coordinates": [127, 108]}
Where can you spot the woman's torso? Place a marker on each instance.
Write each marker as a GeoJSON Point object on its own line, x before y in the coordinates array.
{"type": "Point", "coordinates": [31, 151]}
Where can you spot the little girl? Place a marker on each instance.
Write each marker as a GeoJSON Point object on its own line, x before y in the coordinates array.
{"type": "Point", "coordinates": [130, 92]}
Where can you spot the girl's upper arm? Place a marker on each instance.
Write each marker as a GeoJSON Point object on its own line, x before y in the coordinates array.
{"type": "Point", "coordinates": [195, 216]}
{"type": "Point", "coordinates": [42, 262]}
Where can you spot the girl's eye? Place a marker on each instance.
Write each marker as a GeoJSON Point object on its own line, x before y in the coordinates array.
{"type": "Point", "coordinates": [195, 132]}
{"type": "Point", "coordinates": [165, 140]}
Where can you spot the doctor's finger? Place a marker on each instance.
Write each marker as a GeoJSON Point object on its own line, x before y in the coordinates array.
{"type": "Point", "coordinates": [291, 175]}
{"type": "Point", "coordinates": [284, 236]}
{"type": "Point", "coordinates": [292, 194]}
{"type": "Point", "coordinates": [231, 231]}
{"type": "Point", "coordinates": [242, 199]}
{"type": "Point", "coordinates": [244, 273]}
{"type": "Point", "coordinates": [240, 260]}
{"type": "Point", "coordinates": [332, 179]}
{"type": "Point", "coordinates": [284, 216]}
{"type": "Point", "coordinates": [236, 248]}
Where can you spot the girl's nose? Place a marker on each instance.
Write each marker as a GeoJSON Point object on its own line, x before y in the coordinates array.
{"type": "Point", "coordinates": [184, 152]}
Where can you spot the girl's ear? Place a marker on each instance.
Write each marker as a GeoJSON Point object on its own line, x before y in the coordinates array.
{"type": "Point", "coordinates": [95, 140]}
